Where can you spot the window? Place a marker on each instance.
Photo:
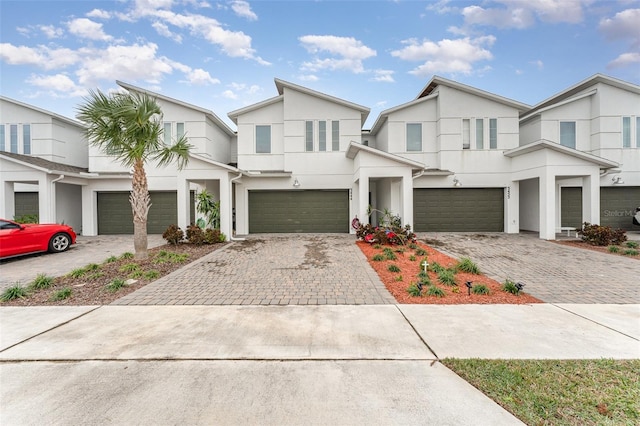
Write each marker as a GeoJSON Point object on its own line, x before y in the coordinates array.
{"type": "Point", "coordinates": [167, 134]}
{"type": "Point", "coordinates": [493, 133]}
{"type": "Point", "coordinates": [308, 136]}
{"type": "Point", "coordinates": [414, 137]}
{"type": "Point", "coordinates": [263, 139]}
{"type": "Point", "coordinates": [179, 130]}
{"type": "Point", "coordinates": [26, 139]}
{"type": "Point", "coordinates": [479, 133]}
{"type": "Point", "coordinates": [568, 134]}
{"type": "Point", "coordinates": [626, 132]}
{"type": "Point", "coordinates": [2, 147]}
{"type": "Point", "coordinates": [335, 135]}
{"type": "Point", "coordinates": [13, 137]}
{"type": "Point", "coordinates": [466, 133]}
{"type": "Point", "coordinates": [322, 136]}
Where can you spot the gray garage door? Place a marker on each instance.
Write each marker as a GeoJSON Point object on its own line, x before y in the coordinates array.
{"type": "Point", "coordinates": [115, 217]}
{"type": "Point", "coordinates": [298, 211]}
{"type": "Point", "coordinates": [26, 203]}
{"type": "Point", "coordinates": [458, 209]}
{"type": "Point", "coordinates": [617, 205]}
{"type": "Point", "coordinates": [571, 207]}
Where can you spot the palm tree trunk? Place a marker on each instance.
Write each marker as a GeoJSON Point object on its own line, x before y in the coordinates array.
{"type": "Point", "coordinates": [140, 203]}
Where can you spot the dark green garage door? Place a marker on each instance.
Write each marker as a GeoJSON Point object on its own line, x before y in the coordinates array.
{"type": "Point", "coordinates": [26, 203]}
{"type": "Point", "coordinates": [571, 207]}
{"type": "Point", "coordinates": [458, 210]}
{"type": "Point", "coordinates": [115, 217]}
{"type": "Point", "coordinates": [617, 205]}
{"type": "Point", "coordinates": [298, 211]}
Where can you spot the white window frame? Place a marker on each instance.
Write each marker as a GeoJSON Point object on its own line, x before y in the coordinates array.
{"type": "Point", "coordinates": [308, 136]}
{"type": "Point", "coordinates": [322, 135]}
{"type": "Point", "coordinates": [479, 142]}
{"type": "Point", "coordinates": [493, 133]}
{"type": "Point", "coordinates": [575, 134]}
{"type": "Point", "coordinates": [262, 150]}
{"type": "Point", "coordinates": [26, 139]}
{"type": "Point", "coordinates": [335, 135]}
{"type": "Point", "coordinates": [411, 148]}
{"type": "Point", "coordinates": [466, 133]}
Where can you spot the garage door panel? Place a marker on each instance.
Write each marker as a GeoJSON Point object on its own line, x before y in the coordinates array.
{"type": "Point", "coordinates": [459, 209]}
{"type": "Point", "coordinates": [115, 216]}
{"type": "Point", "coordinates": [617, 205]}
{"type": "Point", "coordinates": [298, 211]}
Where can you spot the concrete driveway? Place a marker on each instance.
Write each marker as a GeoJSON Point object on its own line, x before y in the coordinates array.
{"type": "Point", "coordinates": [87, 250]}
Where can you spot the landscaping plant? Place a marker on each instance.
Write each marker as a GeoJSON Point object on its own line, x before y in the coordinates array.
{"type": "Point", "coordinates": [432, 290]}
{"type": "Point", "coordinates": [173, 234]}
{"type": "Point", "coordinates": [15, 292]}
{"type": "Point", "coordinates": [41, 281]}
{"type": "Point", "coordinates": [599, 235]}
{"type": "Point", "coordinates": [467, 265]}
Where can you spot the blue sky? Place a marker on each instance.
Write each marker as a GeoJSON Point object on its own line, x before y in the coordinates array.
{"type": "Point", "coordinates": [224, 55]}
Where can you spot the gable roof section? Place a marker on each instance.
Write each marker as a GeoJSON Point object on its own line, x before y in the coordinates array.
{"type": "Point", "coordinates": [281, 85]}
{"type": "Point", "coordinates": [545, 144]}
{"type": "Point", "coordinates": [384, 115]}
{"type": "Point", "coordinates": [355, 148]}
{"type": "Point", "coordinates": [233, 115]}
{"type": "Point", "coordinates": [440, 81]}
{"type": "Point", "coordinates": [572, 91]}
{"type": "Point", "coordinates": [214, 163]}
{"type": "Point", "coordinates": [42, 164]}
{"type": "Point", "coordinates": [44, 111]}
{"type": "Point", "coordinates": [221, 124]}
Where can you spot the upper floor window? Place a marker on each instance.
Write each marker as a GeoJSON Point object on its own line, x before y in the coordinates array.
{"type": "Point", "coordinates": [479, 133]}
{"type": "Point", "coordinates": [263, 139]}
{"type": "Point", "coordinates": [638, 132]}
{"type": "Point", "coordinates": [466, 133]}
{"type": "Point", "coordinates": [626, 132]}
{"type": "Point", "coordinates": [26, 139]}
{"type": "Point", "coordinates": [568, 134]}
{"type": "Point", "coordinates": [2, 146]}
{"type": "Point", "coordinates": [172, 133]}
{"type": "Point", "coordinates": [13, 138]}
{"type": "Point", "coordinates": [179, 131]}
{"type": "Point", "coordinates": [414, 137]}
{"type": "Point", "coordinates": [335, 135]}
{"type": "Point", "coordinates": [167, 133]}
{"type": "Point", "coordinates": [308, 136]}
{"type": "Point", "coordinates": [322, 135]}
{"type": "Point", "coordinates": [493, 133]}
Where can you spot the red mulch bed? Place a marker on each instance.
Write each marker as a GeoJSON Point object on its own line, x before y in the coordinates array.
{"type": "Point", "coordinates": [409, 271]}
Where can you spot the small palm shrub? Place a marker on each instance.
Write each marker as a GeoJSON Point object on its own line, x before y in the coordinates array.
{"type": "Point", "coordinates": [41, 281]}
{"type": "Point", "coordinates": [436, 267]}
{"type": "Point", "coordinates": [390, 255]}
{"type": "Point", "coordinates": [378, 257]}
{"type": "Point", "coordinates": [614, 249]}
{"type": "Point", "coordinates": [126, 255]}
{"type": "Point", "coordinates": [116, 285]}
{"type": "Point", "coordinates": [414, 290]}
{"type": "Point", "coordinates": [420, 251]}
{"type": "Point", "coordinates": [129, 267]}
{"type": "Point", "coordinates": [480, 289]}
{"type": "Point", "coordinates": [467, 265]}
{"type": "Point", "coordinates": [398, 278]}
{"type": "Point", "coordinates": [630, 252]}
{"type": "Point", "coordinates": [77, 272]}
{"type": "Point", "coordinates": [63, 293]}
{"type": "Point", "coordinates": [377, 246]}
{"type": "Point", "coordinates": [152, 274]}
{"type": "Point", "coordinates": [170, 257]}
{"type": "Point", "coordinates": [413, 246]}
{"type": "Point", "coordinates": [393, 268]}
{"type": "Point", "coordinates": [425, 280]}
{"type": "Point", "coordinates": [412, 258]}
{"type": "Point", "coordinates": [111, 259]}
{"type": "Point", "coordinates": [92, 267]}
{"type": "Point", "coordinates": [173, 234]}
{"type": "Point", "coordinates": [432, 290]}
{"type": "Point", "coordinates": [510, 287]}
{"type": "Point", "coordinates": [632, 244]}
{"type": "Point", "coordinates": [447, 277]}
{"type": "Point", "coordinates": [15, 292]}
{"type": "Point", "coordinates": [423, 274]}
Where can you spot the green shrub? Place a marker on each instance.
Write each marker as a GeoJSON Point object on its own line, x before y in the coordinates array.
{"type": "Point", "coordinates": [393, 268]}
{"type": "Point", "coordinates": [432, 290]}
{"type": "Point", "coordinates": [413, 246]}
{"type": "Point", "coordinates": [214, 236]}
{"type": "Point", "coordinates": [136, 274]}
{"type": "Point", "coordinates": [390, 255]}
{"type": "Point", "coordinates": [630, 252]}
{"type": "Point", "coordinates": [377, 246]}
{"type": "Point", "coordinates": [598, 235]}
{"type": "Point", "coordinates": [116, 285]}
{"type": "Point", "coordinates": [614, 249]}
{"type": "Point", "coordinates": [480, 289]}
{"type": "Point", "coordinates": [111, 259]}
{"type": "Point", "coordinates": [425, 280]}
{"type": "Point", "coordinates": [414, 290]}
{"type": "Point", "coordinates": [436, 267]}
{"type": "Point", "coordinates": [377, 257]}
{"type": "Point", "coordinates": [41, 281]}
{"type": "Point", "coordinates": [92, 267]}
{"type": "Point", "coordinates": [170, 257]}
{"type": "Point", "coordinates": [173, 234]}
{"type": "Point", "coordinates": [420, 251]}
{"type": "Point", "coordinates": [467, 265]}
{"type": "Point", "coordinates": [129, 267]}
{"type": "Point", "coordinates": [398, 278]}
{"type": "Point", "coordinates": [447, 277]}
{"type": "Point", "coordinates": [77, 272]}
{"type": "Point", "coordinates": [400, 250]}
{"type": "Point", "coordinates": [152, 274]}
{"type": "Point", "coordinates": [126, 255]}
{"type": "Point", "coordinates": [96, 275]}
{"type": "Point", "coordinates": [632, 244]}
{"type": "Point", "coordinates": [63, 293]}
{"type": "Point", "coordinates": [412, 258]}
{"type": "Point", "coordinates": [423, 274]}
{"type": "Point", "coordinates": [510, 287]}
{"type": "Point", "coordinates": [26, 218]}
{"type": "Point", "coordinates": [195, 235]}
{"type": "Point", "coordinates": [15, 292]}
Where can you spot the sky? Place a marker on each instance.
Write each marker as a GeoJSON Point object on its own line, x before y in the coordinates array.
{"type": "Point", "coordinates": [224, 55]}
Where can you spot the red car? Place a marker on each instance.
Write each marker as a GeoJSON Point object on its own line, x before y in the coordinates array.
{"type": "Point", "coordinates": [17, 239]}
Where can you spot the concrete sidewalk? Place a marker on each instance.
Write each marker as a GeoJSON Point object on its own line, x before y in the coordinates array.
{"type": "Point", "coordinates": [282, 365]}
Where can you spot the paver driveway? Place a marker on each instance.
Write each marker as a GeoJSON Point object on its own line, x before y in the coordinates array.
{"type": "Point", "coordinates": [552, 272]}
{"type": "Point", "coordinates": [272, 269]}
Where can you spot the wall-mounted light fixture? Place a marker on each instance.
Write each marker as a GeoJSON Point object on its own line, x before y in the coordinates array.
{"type": "Point", "coordinates": [456, 182]}
{"type": "Point", "coordinates": [617, 180]}
{"type": "Point", "coordinates": [296, 184]}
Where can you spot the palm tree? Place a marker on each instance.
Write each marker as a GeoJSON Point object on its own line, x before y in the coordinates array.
{"type": "Point", "coordinates": [129, 127]}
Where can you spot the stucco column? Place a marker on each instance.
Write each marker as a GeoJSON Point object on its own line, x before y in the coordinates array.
{"type": "Point", "coordinates": [591, 198]}
{"type": "Point", "coordinates": [89, 211]}
{"type": "Point", "coordinates": [407, 200]}
{"type": "Point", "coordinates": [547, 205]}
{"type": "Point", "coordinates": [184, 203]}
{"type": "Point", "coordinates": [225, 205]}
{"type": "Point", "coordinates": [363, 198]}
{"type": "Point", "coordinates": [512, 207]}
{"type": "Point", "coordinates": [242, 209]}
{"type": "Point", "coordinates": [46, 208]}
{"type": "Point", "coordinates": [7, 198]}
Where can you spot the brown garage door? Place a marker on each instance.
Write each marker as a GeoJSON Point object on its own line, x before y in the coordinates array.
{"type": "Point", "coordinates": [458, 209]}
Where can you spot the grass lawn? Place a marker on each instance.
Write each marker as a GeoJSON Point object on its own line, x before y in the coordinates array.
{"type": "Point", "coordinates": [559, 392]}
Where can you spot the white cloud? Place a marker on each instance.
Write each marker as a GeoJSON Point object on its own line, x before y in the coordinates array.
{"type": "Point", "coordinates": [308, 77]}
{"type": "Point", "coordinates": [24, 31]}
{"type": "Point", "coordinates": [538, 64]}
{"type": "Point", "coordinates": [50, 31]}
{"type": "Point", "coordinates": [86, 28]}
{"type": "Point", "coordinates": [501, 18]}
{"type": "Point", "coordinates": [164, 31]}
{"type": "Point", "coordinates": [41, 56]}
{"type": "Point", "coordinates": [446, 56]}
{"type": "Point", "coordinates": [98, 13]}
{"type": "Point", "coordinates": [624, 25]}
{"type": "Point", "coordinates": [625, 60]}
{"type": "Point", "coordinates": [200, 77]}
{"type": "Point", "coordinates": [229, 94]}
{"type": "Point", "coordinates": [385, 76]}
{"type": "Point", "coordinates": [243, 9]}
{"type": "Point", "coordinates": [349, 51]}
{"type": "Point", "coordinates": [441, 7]}
{"type": "Point", "coordinates": [59, 85]}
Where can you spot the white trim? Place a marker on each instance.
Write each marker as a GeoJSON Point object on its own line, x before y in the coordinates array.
{"type": "Point", "coordinates": [566, 101]}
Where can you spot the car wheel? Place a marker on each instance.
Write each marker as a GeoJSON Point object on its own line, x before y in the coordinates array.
{"type": "Point", "coordinates": [59, 242]}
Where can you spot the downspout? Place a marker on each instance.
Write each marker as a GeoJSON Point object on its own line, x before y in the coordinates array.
{"type": "Point", "coordinates": [231, 238]}
{"type": "Point", "coordinates": [414, 177]}
{"type": "Point", "coordinates": [52, 205]}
